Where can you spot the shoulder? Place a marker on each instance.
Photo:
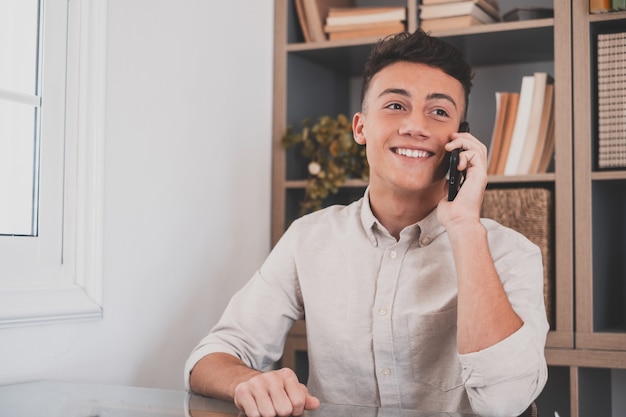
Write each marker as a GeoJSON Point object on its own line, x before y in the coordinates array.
{"type": "Point", "coordinates": [329, 216]}
{"type": "Point", "coordinates": [502, 238]}
{"type": "Point", "coordinates": [324, 225]}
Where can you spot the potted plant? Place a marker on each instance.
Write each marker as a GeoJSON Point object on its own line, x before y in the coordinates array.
{"type": "Point", "coordinates": [332, 154]}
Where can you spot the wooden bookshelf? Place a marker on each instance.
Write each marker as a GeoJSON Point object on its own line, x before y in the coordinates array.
{"type": "Point", "coordinates": [323, 78]}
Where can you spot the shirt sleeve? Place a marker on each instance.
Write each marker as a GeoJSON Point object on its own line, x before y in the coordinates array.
{"type": "Point", "coordinates": [255, 323]}
{"type": "Point", "coordinates": [506, 377]}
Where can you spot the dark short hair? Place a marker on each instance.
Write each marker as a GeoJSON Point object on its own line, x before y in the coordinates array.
{"type": "Point", "coordinates": [418, 47]}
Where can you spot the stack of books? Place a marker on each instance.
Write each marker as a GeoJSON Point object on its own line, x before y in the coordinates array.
{"type": "Point", "coordinates": [322, 20]}
{"type": "Point", "coordinates": [522, 142]}
{"type": "Point", "coordinates": [364, 22]}
{"type": "Point", "coordinates": [312, 14]}
{"type": "Point", "coordinates": [611, 81]}
{"type": "Point", "coordinates": [436, 15]}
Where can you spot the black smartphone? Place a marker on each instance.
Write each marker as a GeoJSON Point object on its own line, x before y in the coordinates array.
{"type": "Point", "coordinates": [456, 177]}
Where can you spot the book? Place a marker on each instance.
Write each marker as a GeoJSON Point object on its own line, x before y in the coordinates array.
{"type": "Point", "coordinates": [545, 138]}
{"type": "Point", "coordinates": [494, 3]}
{"type": "Point", "coordinates": [507, 134]}
{"type": "Point", "coordinates": [362, 11]}
{"type": "Point", "coordinates": [541, 80]}
{"type": "Point", "coordinates": [548, 149]}
{"type": "Point", "coordinates": [316, 12]}
{"type": "Point", "coordinates": [448, 23]}
{"type": "Point", "coordinates": [495, 146]}
{"type": "Point", "coordinates": [362, 26]}
{"type": "Point", "coordinates": [364, 15]}
{"type": "Point", "coordinates": [599, 6]}
{"type": "Point", "coordinates": [618, 4]}
{"type": "Point", "coordinates": [521, 125]}
{"type": "Point", "coordinates": [379, 31]}
{"type": "Point", "coordinates": [460, 8]}
{"type": "Point", "coordinates": [302, 20]}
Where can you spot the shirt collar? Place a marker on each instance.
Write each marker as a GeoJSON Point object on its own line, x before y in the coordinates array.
{"type": "Point", "coordinates": [425, 231]}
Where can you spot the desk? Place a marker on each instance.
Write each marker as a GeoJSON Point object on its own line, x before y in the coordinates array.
{"type": "Point", "coordinates": [64, 399]}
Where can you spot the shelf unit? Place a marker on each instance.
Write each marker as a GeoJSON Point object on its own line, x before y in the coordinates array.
{"type": "Point", "coordinates": [315, 79]}
{"type": "Point", "coordinates": [600, 205]}
{"type": "Point", "coordinates": [324, 78]}
{"type": "Point", "coordinates": [598, 363]}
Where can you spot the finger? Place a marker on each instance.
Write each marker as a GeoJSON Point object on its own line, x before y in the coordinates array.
{"type": "Point", "coordinates": [281, 402]}
{"type": "Point", "coordinates": [245, 402]}
{"type": "Point", "coordinates": [472, 158]}
{"type": "Point", "coordinates": [295, 391]}
{"type": "Point", "coordinates": [254, 399]}
{"type": "Point", "coordinates": [465, 141]}
{"type": "Point", "coordinates": [265, 405]}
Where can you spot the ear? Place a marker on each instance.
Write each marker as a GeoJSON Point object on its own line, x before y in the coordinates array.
{"type": "Point", "coordinates": [357, 128]}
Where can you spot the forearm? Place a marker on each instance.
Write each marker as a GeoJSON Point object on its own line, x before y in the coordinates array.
{"type": "Point", "coordinates": [485, 314]}
{"type": "Point", "coordinates": [216, 375]}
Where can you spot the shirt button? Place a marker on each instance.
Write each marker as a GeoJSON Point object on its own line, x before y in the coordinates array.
{"type": "Point", "coordinates": [386, 372]}
{"type": "Point", "coordinates": [382, 311]}
{"type": "Point", "coordinates": [426, 241]}
{"type": "Point", "coordinates": [393, 254]}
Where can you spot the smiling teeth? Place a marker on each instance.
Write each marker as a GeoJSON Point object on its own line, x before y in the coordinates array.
{"type": "Point", "coordinates": [412, 153]}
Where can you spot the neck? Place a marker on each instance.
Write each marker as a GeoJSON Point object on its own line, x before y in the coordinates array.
{"type": "Point", "coordinates": [396, 210]}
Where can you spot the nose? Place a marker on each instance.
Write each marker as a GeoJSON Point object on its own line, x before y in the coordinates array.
{"type": "Point", "coordinates": [415, 125]}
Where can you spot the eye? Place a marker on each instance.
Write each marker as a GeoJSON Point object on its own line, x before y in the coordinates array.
{"type": "Point", "coordinates": [440, 112]}
{"type": "Point", "coordinates": [395, 106]}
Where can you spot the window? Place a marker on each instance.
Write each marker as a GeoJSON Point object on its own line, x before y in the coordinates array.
{"type": "Point", "coordinates": [19, 115]}
{"type": "Point", "coordinates": [50, 269]}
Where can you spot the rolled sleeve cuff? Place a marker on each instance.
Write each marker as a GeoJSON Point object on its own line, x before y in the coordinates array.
{"type": "Point", "coordinates": [513, 357]}
{"type": "Point", "coordinates": [199, 353]}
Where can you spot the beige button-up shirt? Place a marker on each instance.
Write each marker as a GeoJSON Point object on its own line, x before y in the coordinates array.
{"type": "Point", "coordinates": [381, 315]}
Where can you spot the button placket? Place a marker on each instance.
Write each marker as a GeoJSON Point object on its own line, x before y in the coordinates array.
{"type": "Point", "coordinates": [384, 355]}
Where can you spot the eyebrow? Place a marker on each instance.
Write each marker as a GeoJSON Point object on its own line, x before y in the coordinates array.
{"type": "Point", "coordinates": [438, 96]}
{"type": "Point", "coordinates": [432, 96]}
{"type": "Point", "coordinates": [400, 91]}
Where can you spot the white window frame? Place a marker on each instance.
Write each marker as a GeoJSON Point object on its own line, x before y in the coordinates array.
{"type": "Point", "coordinates": [65, 281]}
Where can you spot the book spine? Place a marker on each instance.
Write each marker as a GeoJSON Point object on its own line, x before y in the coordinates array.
{"type": "Point", "coordinates": [599, 6]}
{"type": "Point", "coordinates": [521, 125]}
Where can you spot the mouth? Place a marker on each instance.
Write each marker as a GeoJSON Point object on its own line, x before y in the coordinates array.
{"type": "Point", "coordinates": [412, 153]}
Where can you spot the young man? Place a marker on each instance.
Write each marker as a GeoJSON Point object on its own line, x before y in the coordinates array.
{"type": "Point", "coordinates": [411, 301]}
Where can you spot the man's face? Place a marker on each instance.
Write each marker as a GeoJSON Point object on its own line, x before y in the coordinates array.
{"type": "Point", "coordinates": [409, 113]}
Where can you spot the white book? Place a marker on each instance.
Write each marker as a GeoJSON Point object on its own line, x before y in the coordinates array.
{"type": "Point", "coordinates": [521, 125]}
{"type": "Point", "coordinates": [534, 122]}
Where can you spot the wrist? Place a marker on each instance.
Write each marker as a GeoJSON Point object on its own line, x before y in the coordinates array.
{"type": "Point", "coordinates": [466, 229]}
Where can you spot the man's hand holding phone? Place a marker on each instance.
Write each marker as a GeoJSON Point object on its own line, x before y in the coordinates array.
{"type": "Point", "coordinates": [468, 168]}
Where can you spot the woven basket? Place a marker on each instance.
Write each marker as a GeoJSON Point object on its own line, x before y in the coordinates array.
{"type": "Point", "coordinates": [528, 211]}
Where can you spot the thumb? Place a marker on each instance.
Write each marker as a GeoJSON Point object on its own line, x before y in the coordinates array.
{"type": "Point", "coordinates": [311, 402]}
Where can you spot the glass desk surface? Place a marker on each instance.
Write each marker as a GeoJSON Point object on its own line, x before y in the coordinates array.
{"type": "Point", "coordinates": [66, 399]}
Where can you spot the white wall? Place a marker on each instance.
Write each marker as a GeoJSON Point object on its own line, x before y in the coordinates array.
{"type": "Point", "coordinates": [187, 192]}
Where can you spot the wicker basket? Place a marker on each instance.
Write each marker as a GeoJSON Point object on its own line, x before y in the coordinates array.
{"type": "Point", "coordinates": [528, 211]}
